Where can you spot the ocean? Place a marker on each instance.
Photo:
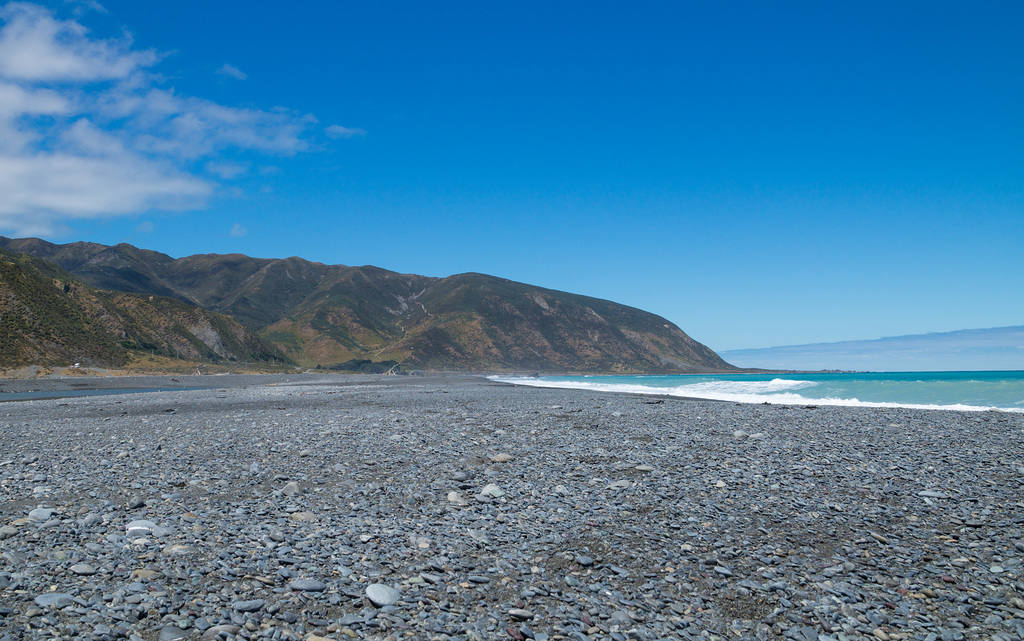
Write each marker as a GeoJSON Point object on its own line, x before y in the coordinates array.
{"type": "Point", "coordinates": [965, 391]}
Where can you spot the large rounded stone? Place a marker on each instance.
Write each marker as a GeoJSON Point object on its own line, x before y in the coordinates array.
{"type": "Point", "coordinates": [83, 569]}
{"type": "Point", "coordinates": [59, 599]}
{"type": "Point", "coordinates": [381, 595]}
{"type": "Point", "coordinates": [253, 605]}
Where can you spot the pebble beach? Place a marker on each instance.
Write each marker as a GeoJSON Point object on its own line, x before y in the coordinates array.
{"type": "Point", "coordinates": [316, 506]}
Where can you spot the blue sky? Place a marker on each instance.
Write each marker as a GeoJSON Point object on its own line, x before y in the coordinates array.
{"type": "Point", "coordinates": [759, 173]}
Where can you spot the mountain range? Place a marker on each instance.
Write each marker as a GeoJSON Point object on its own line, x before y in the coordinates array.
{"type": "Point", "coordinates": [313, 314]}
{"type": "Point", "coordinates": [998, 348]}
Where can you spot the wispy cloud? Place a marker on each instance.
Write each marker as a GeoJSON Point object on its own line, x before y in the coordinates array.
{"type": "Point", "coordinates": [80, 7]}
{"type": "Point", "coordinates": [37, 47]}
{"type": "Point", "coordinates": [237, 231]}
{"type": "Point", "coordinates": [226, 169]}
{"type": "Point", "coordinates": [337, 131]}
{"type": "Point", "coordinates": [233, 71]}
{"type": "Point", "coordinates": [89, 130]}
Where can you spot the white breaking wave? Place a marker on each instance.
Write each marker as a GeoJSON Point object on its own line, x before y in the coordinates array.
{"type": "Point", "coordinates": [777, 391]}
{"type": "Point", "coordinates": [746, 388]}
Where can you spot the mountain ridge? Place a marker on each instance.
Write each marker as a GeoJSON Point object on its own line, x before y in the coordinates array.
{"type": "Point", "coordinates": [320, 314]}
{"type": "Point", "coordinates": [49, 317]}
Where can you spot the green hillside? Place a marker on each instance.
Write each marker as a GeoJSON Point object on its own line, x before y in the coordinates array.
{"type": "Point", "coordinates": [49, 317]}
{"type": "Point", "coordinates": [42, 322]}
{"type": "Point", "coordinates": [320, 314]}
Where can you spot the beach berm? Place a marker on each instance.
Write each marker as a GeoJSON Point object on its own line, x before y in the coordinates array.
{"type": "Point", "coordinates": [328, 506]}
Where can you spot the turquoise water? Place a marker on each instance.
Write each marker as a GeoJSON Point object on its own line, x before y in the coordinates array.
{"type": "Point", "coordinates": [929, 390]}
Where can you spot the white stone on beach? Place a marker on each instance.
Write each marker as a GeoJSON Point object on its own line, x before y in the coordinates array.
{"type": "Point", "coordinates": [139, 528]}
{"type": "Point", "coordinates": [382, 595]}
{"type": "Point", "coordinates": [457, 499]}
{"type": "Point", "coordinates": [492, 491]}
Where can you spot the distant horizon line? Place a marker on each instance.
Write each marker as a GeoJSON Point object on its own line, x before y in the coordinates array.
{"type": "Point", "coordinates": [881, 338]}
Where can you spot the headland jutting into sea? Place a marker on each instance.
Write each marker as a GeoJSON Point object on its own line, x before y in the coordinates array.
{"type": "Point", "coordinates": [296, 507]}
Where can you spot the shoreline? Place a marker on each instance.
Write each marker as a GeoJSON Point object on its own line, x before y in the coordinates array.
{"type": "Point", "coordinates": [56, 387]}
{"type": "Point", "coordinates": [791, 397]}
{"type": "Point", "coordinates": [204, 381]}
{"type": "Point", "coordinates": [459, 508]}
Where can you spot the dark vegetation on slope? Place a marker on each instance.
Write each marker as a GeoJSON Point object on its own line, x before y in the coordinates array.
{"type": "Point", "coordinates": [49, 317]}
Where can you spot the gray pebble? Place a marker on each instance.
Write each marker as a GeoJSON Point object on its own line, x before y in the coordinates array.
{"type": "Point", "coordinates": [307, 585]}
{"type": "Point", "coordinates": [252, 605]}
{"type": "Point", "coordinates": [83, 569]}
{"type": "Point", "coordinates": [59, 599]}
{"type": "Point", "coordinates": [172, 632]}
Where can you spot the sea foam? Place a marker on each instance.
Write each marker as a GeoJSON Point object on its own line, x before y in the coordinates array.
{"type": "Point", "coordinates": [774, 391]}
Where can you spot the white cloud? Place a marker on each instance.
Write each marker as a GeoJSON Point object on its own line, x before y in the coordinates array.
{"type": "Point", "coordinates": [337, 131]}
{"type": "Point", "coordinates": [85, 138]}
{"type": "Point", "coordinates": [36, 46]}
{"type": "Point", "coordinates": [80, 7]}
{"type": "Point", "coordinates": [145, 227]}
{"type": "Point", "coordinates": [18, 103]}
{"type": "Point", "coordinates": [16, 100]}
{"type": "Point", "coordinates": [237, 231]}
{"type": "Point", "coordinates": [88, 130]}
{"type": "Point", "coordinates": [233, 71]}
{"type": "Point", "coordinates": [189, 128]}
{"type": "Point", "coordinates": [60, 186]}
